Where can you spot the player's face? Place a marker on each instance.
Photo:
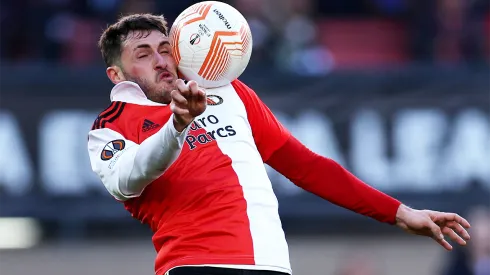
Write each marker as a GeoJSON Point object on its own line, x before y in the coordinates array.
{"type": "Point", "coordinates": [147, 60]}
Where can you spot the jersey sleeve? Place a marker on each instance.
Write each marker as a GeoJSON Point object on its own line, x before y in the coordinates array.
{"type": "Point", "coordinates": [125, 167]}
{"type": "Point", "coordinates": [329, 180]}
{"type": "Point", "coordinates": [269, 134]}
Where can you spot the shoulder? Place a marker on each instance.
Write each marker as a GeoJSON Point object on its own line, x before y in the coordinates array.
{"type": "Point", "coordinates": [109, 116]}
{"type": "Point", "coordinates": [119, 114]}
{"type": "Point", "coordinates": [241, 87]}
{"type": "Point", "coordinates": [134, 122]}
{"type": "Point", "coordinates": [246, 94]}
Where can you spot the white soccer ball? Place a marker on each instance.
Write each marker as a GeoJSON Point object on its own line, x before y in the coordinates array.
{"type": "Point", "coordinates": [211, 43]}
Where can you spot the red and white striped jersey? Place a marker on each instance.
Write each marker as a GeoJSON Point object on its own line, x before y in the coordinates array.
{"type": "Point", "coordinates": [209, 200]}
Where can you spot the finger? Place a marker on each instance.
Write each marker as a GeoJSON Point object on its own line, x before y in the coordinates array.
{"type": "Point", "coordinates": [178, 98]}
{"type": "Point", "coordinates": [463, 222]}
{"type": "Point", "coordinates": [458, 228]}
{"type": "Point", "coordinates": [453, 236]}
{"type": "Point", "coordinates": [437, 235]}
{"type": "Point", "coordinates": [193, 87]}
{"type": "Point", "coordinates": [178, 110]}
{"type": "Point", "coordinates": [201, 95]}
{"type": "Point", "coordinates": [445, 244]}
{"type": "Point", "coordinates": [446, 217]}
{"type": "Point", "coordinates": [194, 90]}
{"type": "Point", "coordinates": [436, 231]}
{"type": "Point", "coordinates": [183, 89]}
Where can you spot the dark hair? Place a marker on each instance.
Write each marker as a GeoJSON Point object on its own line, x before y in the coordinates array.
{"type": "Point", "coordinates": [113, 37]}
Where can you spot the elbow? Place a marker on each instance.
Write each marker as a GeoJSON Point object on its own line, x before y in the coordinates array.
{"type": "Point", "coordinates": [137, 179]}
{"type": "Point", "coordinates": [130, 193]}
{"type": "Point", "coordinates": [131, 185]}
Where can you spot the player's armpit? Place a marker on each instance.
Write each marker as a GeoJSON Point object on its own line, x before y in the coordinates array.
{"type": "Point", "coordinates": [327, 179]}
{"type": "Point", "coordinates": [125, 167]}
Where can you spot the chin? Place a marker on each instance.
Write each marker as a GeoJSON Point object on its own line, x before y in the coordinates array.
{"type": "Point", "coordinates": [168, 86]}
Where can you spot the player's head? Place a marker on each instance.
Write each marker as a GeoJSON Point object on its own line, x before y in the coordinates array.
{"type": "Point", "coordinates": [136, 48]}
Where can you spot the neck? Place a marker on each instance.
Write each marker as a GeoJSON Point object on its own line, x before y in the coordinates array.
{"type": "Point", "coordinates": [160, 98]}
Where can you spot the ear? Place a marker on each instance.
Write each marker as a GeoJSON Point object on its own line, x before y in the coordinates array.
{"type": "Point", "coordinates": [115, 74]}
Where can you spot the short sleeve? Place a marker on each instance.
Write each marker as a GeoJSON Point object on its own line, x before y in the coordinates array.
{"type": "Point", "coordinates": [269, 134]}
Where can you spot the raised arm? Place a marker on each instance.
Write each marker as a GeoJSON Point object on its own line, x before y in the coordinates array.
{"type": "Point", "coordinates": [125, 167]}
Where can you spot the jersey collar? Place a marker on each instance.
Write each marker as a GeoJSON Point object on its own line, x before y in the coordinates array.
{"type": "Point", "coordinates": [130, 92]}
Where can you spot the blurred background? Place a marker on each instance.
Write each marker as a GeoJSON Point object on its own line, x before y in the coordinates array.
{"type": "Point", "coordinates": [397, 91]}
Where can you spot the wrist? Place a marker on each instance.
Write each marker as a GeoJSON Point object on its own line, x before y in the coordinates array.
{"type": "Point", "coordinates": [401, 214]}
{"type": "Point", "coordinates": [180, 123]}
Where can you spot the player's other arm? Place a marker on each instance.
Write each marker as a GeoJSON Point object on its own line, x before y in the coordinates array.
{"type": "Point", "coordinates": [312, 172]}
{"type": "Point", "coordinates": [326, 178]}
{"type": "Point", "coordinates": [329, 180]}
{"type": "Point", "coordinates": [125, 167]}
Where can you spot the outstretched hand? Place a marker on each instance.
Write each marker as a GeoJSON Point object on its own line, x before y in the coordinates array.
{"type": "Point", "coordinates": [434, 224]}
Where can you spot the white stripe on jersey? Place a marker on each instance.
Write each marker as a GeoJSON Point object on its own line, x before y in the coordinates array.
{"type": "Point", "coordinates": [269, 242]}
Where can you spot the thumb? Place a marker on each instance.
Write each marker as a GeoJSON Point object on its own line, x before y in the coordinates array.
{"type": "Point", "coordinates": [436, 231]}
{"type": "Point", "coordinates": [201, 95]}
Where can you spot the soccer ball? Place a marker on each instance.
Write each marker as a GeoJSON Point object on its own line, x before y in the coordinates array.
{"type": "Point", "coordinates": [211, 43]}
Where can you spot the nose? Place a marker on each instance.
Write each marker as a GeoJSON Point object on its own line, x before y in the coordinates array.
{"type": "Point", "coordinates": [159, 62]}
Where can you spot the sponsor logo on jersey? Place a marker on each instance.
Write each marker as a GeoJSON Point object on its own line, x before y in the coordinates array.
{"type": "Point", "coordinates": [211, 133]}
{"type": "Point", "coordinates": [214, 100]}
{"type": "Point", "coordinates": [111, 149]}
{"type": "Point", "coordinates": [149, 125]}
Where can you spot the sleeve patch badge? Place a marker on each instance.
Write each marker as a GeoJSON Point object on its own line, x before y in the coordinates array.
{"type": "Point", "coordinates": [111, 149]}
